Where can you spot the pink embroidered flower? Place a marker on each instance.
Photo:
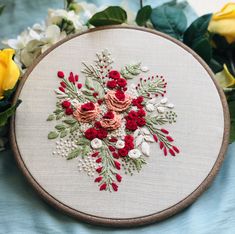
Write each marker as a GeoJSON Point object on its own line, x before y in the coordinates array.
{"type": "Point", "coordinates": [117, 100]}
{"type": "Point", "coordinates": [86, 112]}
{"type": "Point", "coordinates": [111, 121]}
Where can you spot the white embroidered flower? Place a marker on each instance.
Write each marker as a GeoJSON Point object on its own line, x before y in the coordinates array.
{"type": "Point", "coordinates": [164, 101]}
{"type": "Point", "coordinates": [150, 107]}
{"type": "Point", "coordinates": [120, 144]}
{"type": "Point", "coordinates": [132, 91]}
{"type": "Point", "coordinates": [161, 109]}
{"type": "Point", "coordinates": [96, 143]}
{"type": "Point", "coordinates": [134, 153]}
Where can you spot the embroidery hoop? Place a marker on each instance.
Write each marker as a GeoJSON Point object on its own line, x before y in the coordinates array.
{"type": "Point", "coordinates": [125, 222]}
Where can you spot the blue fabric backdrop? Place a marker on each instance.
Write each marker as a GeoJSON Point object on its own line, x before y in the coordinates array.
{"type": "Point", "coordinates": [22, 211]}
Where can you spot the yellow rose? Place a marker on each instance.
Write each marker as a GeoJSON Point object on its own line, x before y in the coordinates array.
{"type": "Point", "coordinates": [9, 72]}
{"type": "Point", "coordinates": [225, 78]}
{"type": "Point", "coordinates": [223, 22]}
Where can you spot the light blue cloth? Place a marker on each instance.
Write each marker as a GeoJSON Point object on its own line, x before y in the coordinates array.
{"type": "Point", "coordinates": [23, 211]}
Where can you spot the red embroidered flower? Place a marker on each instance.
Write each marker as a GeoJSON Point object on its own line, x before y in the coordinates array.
{"type": "Point", "coordinates": [115, 155]}
{"type": "Point", "coordinates": [129, 146]}
{"type": "Point", "coordinates": [113, 139]}
{"type": "Point", "coordinates": [131, 125]}
{"type": "Point", "coordinates": [98, 160]}
{"type": "Point", "coordinates": [66, 104]}
{"type": "Point", "coordinates": [122, 82]}
{"type": "Point", "coordinates": [111, 84]}
{"type": "Point", "coordinates": [129, 138]}
{"type": "Point", "coordinates": [91, 133]}
{"type": "Point", "coordinates": [98, 125]}
{"type": "Point", "coordinates": [95, 154]}
{"type": "Point", "coordinates": [118, 177]}
{"type": "Point", "coordinates": [114, 75]}
{"type": "Point", "coordinates": [141, 122]}
{"type": "Point", "coordinates": [102, 133]}
{"type": "Point", "coordinates": [111, 148]}
{"type": "Point", "coordinates": [123, 152]}
{"type": "Point", "coordinates": [138, 102]}
{"type": "Point", "coordinates": [99, 169]}
{"type": "Point", "coordinates": [141, 113]}
{"type": "Point", "coordinates": [132, 115]}
{"type": "Point", "coordinates": [100, 101]}
{"type": "Point", "coordinates": [115, 187]}
{"type": "Point", "coordinates": [109, 115]}
{"type": "Point", "coordinates": [63, 84]}
{"type": "Point", "coordinates": [62, 89]}
{"type": "Point", "coordinates": [88, 106]}
{"type": "Point", "coordinates": [71, 78]}
{"type": "Point", "coordinates": [69, 111]}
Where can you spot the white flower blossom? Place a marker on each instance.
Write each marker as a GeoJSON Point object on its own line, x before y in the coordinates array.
{"type": "Point", "coordinates": [134, 153]}
{"type": "Point", "coordinates": [96, 143]}
{"type": "Point", "coordinates": [150, 107]}
{"type": "Point", "coordinates": [120, 144]}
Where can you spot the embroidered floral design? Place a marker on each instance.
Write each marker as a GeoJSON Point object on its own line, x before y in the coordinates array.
{"type": "Point", "coordinates": [109, 125]}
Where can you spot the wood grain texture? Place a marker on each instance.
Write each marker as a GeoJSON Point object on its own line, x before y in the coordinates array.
{"type": "Point", "coordinates": [132, 221]}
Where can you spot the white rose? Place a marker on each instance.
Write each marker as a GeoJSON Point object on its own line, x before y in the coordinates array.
{"type": "Point", "coordinates": [150, 107]}
{"type": "Point", "coordinates": [120, 144]}
{"type": "Point", "coordinates": [96, 143]}
{"type": "Point", "coordinates": [134, 153]}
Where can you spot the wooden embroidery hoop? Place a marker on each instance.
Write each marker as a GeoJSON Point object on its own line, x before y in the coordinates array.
{"type": "Point", "coordinates": [131, 221]}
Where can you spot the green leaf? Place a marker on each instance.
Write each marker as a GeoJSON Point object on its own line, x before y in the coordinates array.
{"type": "Point", "coordinates": [74, 128]}
{"type": "Point", "coordinates": [73, 154]}
{"type": "Point", "coordinates": [60, 116]}
{"type": "Point", "coordinates": [143, 15]}
{"type": "Point", "coordinates": [170, 20]}
{"type": "Point", "coordinates": [94, 85]}
{"type": "Point", "coordinates": [232, 117]}
{"type": "Point", "coordinates": [110, 16]}
{"type": "Point", "coordinates": [203, 48]}
{"type": "Point", "coordinates": [52, 135]}
{"type": "Point", "coordinates": [51, 117]}
{"type": "Point", "coordinates": [1, 8]}
{"type": "Point", "coordinates": [196, 30]}
{"type": "Point", "coordinates": [64, 133]}
{"type": "Point", "coordinates": [70, 121]}
{"type": "Point", "coordinates": [60, 127]}
{"type": "Point", "coordinates": [5, 115]}
{"type": "Point", "coordinates": [130, 71]}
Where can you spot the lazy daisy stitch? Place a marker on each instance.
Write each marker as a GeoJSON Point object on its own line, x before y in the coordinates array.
{"type": "Point", "coordinates": [106, 124]}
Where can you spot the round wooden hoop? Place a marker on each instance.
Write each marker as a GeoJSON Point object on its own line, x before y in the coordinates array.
{"type": "Point", "coordinates": [132, 221]}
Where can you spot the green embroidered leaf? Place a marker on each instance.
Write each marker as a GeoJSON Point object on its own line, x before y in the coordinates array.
{"type": "Point", "coordinates": [170, 20]}
{"type": "Point", "coordinates": [60, 127]}
{"type": "Point", "coordinates": [143, 15]}
{"type": "Point", "coordinates": [110, 16]}
{"type": "Point", "coordinates": [70, 121]}
{"type": "Point", "coordinates": [64, 133]}
{"type": "Point", "coordinates": [53, 135]}
{"type": "Point", "coordinates": [73, 154]}
{"type": "Point", "coordinates": [74, 128]}
{"type": "Point", "coordinates": [51, 117]}
{"type": "Point", "coordinates": [83, 141]}
{"type": "Point", "coordinates": [58, 111]}
{"type": "Point", "coordinates": [93, 86]}
{"type": "Point", "coordinates": [5, 115]}
{"type": "Point", "coordinates": [60, 116]}
{"type": "Point", "coordinates": [130, 71]}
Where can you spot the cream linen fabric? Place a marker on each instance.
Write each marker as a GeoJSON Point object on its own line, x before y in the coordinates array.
{"type": "Point", "coordinates": [164, 181]}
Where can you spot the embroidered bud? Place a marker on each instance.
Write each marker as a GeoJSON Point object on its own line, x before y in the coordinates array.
{"type": "Point", "coordinates": [170, 139]}
{"type": "Point", "coordinates": [95, 154]}
{"type": "Point", "coordinates": [165, 151]}
{"type": "Point", "coordinates": [115, 187]}
{"type": "Point", "coordinates": [63, 84]}
{"type": "Point", "coordinates": [172, 152]}
{"type": "Point", "coordinates": [98, 179]}
{"type": "Point", "coordinates": [99, 169]}
{"type": "Point", "coordinates": [100, 101]}
{"type": "Point", "coordinates": [71, 78]}
{"type": "Point", "coordinates": [118, 177]}
{"type": "Point", "coordinates": [98, 160]}
{"type": "Point", "coordinates": [115, 155]}
{"type": "Point", "coordinates": [175, 149]}
{"type": "Point", "coordinates": [161, 144]}
{"type": "Point", "coordinates": [79, 85]}
{"type": "Point", "coordinates": [117, 164]}
{"type": "Point", "coordinates": [103, 187]}
{"type": "Point", "coordinates": [69, 111]}
{"type": "Point", "coordinates": [155, 138]}
{"type": "Point", "coordinates": [164, 131]}
{"type": "Point", "coordinates": [111, 148]}
{"type": "Point", "coordinates": [76, 78]}
{"type": "Point", "coordinates": [60, 74]}
{"type": "Point", "coordinates": [113, 139]}
{"type": "Point", "coordinates": [61, 89]}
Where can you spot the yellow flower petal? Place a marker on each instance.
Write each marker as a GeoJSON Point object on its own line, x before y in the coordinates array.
{"type": "Point", "coordinates": [223, 22]}
{"type": "Point", "coordinates": [225, 78]}
{"type": "Point", "coordinates": [9, 72]}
